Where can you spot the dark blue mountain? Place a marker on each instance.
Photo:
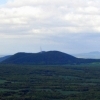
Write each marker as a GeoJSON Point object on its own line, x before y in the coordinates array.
{"type": "Point", "coordinates": [46, 58]}
{"type": "Point", "coordinates": [50, 57]}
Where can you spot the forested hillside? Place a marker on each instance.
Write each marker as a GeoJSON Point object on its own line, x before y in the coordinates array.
{"type": "Point", "coordinates": [46, 58]}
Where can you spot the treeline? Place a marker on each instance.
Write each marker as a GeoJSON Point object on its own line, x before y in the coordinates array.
{"type": "Point", "coordinates": [67, 82]}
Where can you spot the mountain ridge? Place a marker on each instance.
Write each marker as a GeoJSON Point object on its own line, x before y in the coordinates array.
{"type": "Point", "coordinates": [91, 55]}
{"type": "Point", "coordinates": [46, 58]}
{"type": "Point", "coordinates": [49, 57]}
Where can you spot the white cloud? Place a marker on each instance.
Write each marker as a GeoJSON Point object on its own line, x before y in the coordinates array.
{"type": "Point", "coordinates": [42, 19]}
{"type": "Point", "coordinates": [52, 13]}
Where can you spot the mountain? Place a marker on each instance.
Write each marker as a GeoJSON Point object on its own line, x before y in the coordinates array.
{"type": "Point", "coordinates": [2, 58]}
{"type": "Point", "coordinates": [50, 57]}
{"type": "Point", "coordinates": [93, 55]}
{"type": "Point", "coordinates": [46, 58]}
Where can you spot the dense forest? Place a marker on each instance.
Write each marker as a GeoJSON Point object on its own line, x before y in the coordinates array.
{"type": "Point", "coordinates": [46, 82]}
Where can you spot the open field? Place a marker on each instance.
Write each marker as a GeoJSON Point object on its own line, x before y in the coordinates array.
{"type": "Point", "coordinates": [67, 82]}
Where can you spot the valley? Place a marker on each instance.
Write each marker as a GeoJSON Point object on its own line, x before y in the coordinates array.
{"type": "Point", "coordinates": [50, 82]}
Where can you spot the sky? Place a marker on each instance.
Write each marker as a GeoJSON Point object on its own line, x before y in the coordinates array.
{"type": "Point", "coordinates": [70, 26]}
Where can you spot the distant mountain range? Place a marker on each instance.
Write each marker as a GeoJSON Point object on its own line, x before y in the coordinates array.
{"type": "Point", "coordinates": [46, 58]}
{"type": "Point", "coordinates": [93, 55]}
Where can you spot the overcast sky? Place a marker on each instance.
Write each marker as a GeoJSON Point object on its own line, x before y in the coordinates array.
{"type": "Point", "coordinates": [71, 26]}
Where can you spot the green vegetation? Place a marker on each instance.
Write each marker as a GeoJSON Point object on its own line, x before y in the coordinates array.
{"type": "Point", "coordinates": [67, 82]}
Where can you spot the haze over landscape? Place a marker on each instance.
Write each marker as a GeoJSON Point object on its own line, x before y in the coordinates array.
{"type": "Point", "coordinates": [69, 26]}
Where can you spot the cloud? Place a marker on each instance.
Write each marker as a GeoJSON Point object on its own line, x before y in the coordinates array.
{"type": "Point", "coordinates": [51, 21]}
{"type": "Point", "coordinates": [74, 16]}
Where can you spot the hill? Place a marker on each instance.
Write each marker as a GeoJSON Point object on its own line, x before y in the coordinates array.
{"type": "Point", "coordinates": [92, 55]}
{"type": "Point", "coordinates": [50, 57]}
{"type": "Point", "coordinates": [46, 58]}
